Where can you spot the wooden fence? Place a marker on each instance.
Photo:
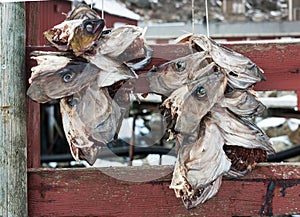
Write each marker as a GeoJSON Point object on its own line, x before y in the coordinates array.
{"type": "Point", "coordinates": [271, 189]}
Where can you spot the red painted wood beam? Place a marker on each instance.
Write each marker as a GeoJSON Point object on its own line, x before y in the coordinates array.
{"type": "Point", "coordinates": [280, 61]}
{"type": "Point", "coordinates": [32, 108]}
{"type": "Point", "coordinates": [271, 189]}
{"type": "Point", "coordinates": [298, 99]}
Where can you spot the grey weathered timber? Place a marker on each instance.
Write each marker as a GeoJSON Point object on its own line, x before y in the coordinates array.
{"type": "Point", "coordinates": [13, 167]}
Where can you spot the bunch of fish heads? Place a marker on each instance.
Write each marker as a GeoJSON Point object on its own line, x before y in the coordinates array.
{"type": "Point", "coordinates": [85, 75]}
{"type": "Point", "coordinates": [209, 105]}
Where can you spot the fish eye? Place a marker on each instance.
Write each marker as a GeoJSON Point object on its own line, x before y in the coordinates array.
{"type": "Point", "coordinates": [68, 77]}
{"type": "Point", "coordinates": [200, 92]}
{"type": "Point", "coordinates": [89, 27]}
{"type": "Point", "coordinates": [72, 101]}
{"type": "Point", "coordinates": [180, 65]}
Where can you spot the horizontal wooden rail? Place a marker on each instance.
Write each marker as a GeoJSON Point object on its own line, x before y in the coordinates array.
{"type": "Point", "coordinates": [271, 189]}
{"type": "Point", "coordinates": [280, 62]}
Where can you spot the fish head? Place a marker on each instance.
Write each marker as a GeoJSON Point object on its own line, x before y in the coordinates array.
{"type": "Point", "coordinates": [78, 32]}
{"type": "Point", "coordinates": [199, 42]}
{"type": "Point", "coordinates": [90, 118]}
{"type": "Point", "coordinates": [86, 34]}
{"type": "Point", "coordinates": [190, 103]}
{"type": "Point", "coordinates": [169, 76]}
{"type": "Point", "coordinates": [78, 35]}
{"type": "Point", "coordinates": [57, 76]}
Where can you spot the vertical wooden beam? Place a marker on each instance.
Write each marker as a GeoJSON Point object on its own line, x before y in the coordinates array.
{"type": "Point", "coordinates": [298, 99]}
{"type": "Point", "coordinates": [32, 108]}
{"type": "Point", "coordinates": [13, 171]}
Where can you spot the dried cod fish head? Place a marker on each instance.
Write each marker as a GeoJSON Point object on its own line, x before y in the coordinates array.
{"type": "Point", "coordinates": [124, 44]}
{"type": "Point", "coordinates": [77, 35]}
{"type": "Point", "coordinates": [169, 76]}
{"type": "Point", "coordinates": [58, 76]}
{"type": "Point", "coordinates": [200, 166]}
{"type": "Point", "coordinates": [119, 39]}
{"type": "Point", "coordinates": [82, 27]}
{"type": "Point", "coordinates": [90, 119]}
{"type": "Point", "coordinates": [241, 71]}
{"type": "Point", "coordinates": [242, 102]}
{"type": "Point", "coordinates": [190, 103]}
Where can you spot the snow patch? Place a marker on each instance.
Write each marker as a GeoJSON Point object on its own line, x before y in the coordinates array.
{"type": "Point", "coordinates": [115, 8]}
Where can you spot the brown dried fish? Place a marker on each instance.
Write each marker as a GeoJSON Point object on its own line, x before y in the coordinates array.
{"type": "Point", "coordinates": [122, 45]}
{"type": "Point", "coordinates": [58, 76]}
{"type": "Point", "coordinates": [166, 78]}
{"type": "Point", "coordinates": [238, 131]}
{"type": "Point", "coordinates": [190, 103]}
{"type": "Point", "coordinates": [90, 119]}
{"type": "Point", "coordinates": [241, 71]}
{"type": "Point", "coordinates": [242, 102]}
{"type": "Point", "coordinates": [200, 166]}
{"type": "Point", "coordinates": [79, 32]}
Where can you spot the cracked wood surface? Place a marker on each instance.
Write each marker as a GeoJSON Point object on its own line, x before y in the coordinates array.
{"type": "Point", "coordinates": [13, 168]}
{"type": "Point", "coordinates": [271, 189]}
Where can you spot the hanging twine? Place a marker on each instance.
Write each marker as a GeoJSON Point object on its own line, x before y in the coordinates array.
{"type": "Point", "coordinates": [206, 14]}
{"type": "Point", "coordinates": [102, 11]}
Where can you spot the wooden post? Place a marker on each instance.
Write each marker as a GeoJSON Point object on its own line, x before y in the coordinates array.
{"type": "Point", "coordinates": [33, 34]}
{"type": "Point", "coordinates": [13, 170]}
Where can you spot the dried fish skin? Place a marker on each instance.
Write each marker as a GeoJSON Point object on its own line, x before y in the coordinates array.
{"type": "Point", "coordinates": [113, 71]}
{"type": "Point", "coordinates": [122, 45]}
{"type": "Point", "coordinates": [90, 118]}
{"type": "Point", "coordinates": [190, 103]}
{"type": "Point", "coordinates": [242, 102]}
{"type": "Point", "coordinates": [119, 39]}
{"type": "Point", "coordinates": [200, 166]}
{"type": "Point", "coordinates": [201, 195]}
{"type": "Point", "coordinates": [75, 133]}
{"type": "Point", "coordinates": [82, 11]}
{"type": "Point", "coordinates": [57, 76]}
{"type": "Point", "coordinates": [238, 131]}
{"type": "Point", "coordinates": [168, 77]}
{"type": "Point", "coordinates": [193, 197]}
{"type": "Point", "coordinates": [241, 71]}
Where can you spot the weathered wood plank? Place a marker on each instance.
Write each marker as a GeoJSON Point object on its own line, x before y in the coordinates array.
{"type": "Point", "coordinates": [91, 192]}
{"type": "Point", "coordinates": [13, 170]}
{"type": "Point", "coordinates": [280, 61]}
{"type": "Point", "coordinates": [33, 30]}
{"type": "Point", "coordinates": [33, 123]}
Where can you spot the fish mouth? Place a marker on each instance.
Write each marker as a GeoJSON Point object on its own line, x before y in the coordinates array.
{"type": "Point", "coordinates": [37, 94]}
{"type": "Point", "coordinates": [157, 84]}
{"type": "Point", "coordinates": [98, 24]}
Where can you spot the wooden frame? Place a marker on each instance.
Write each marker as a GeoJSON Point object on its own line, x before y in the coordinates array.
{"type": "Point", "coordinates": [271, 189]}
